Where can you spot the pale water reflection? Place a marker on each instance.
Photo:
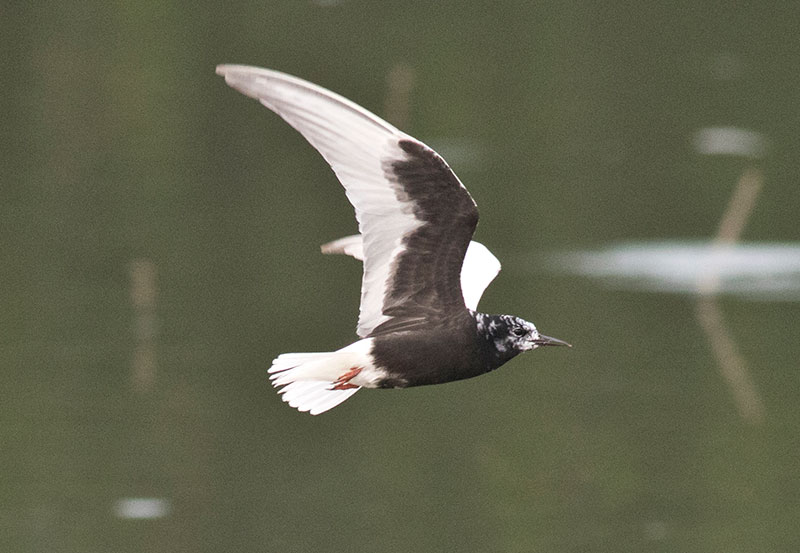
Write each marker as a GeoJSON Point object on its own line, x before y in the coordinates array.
{"type": "Point", "coordinates": [731, 141]}
{"type": "Point", "coordinates": [142, 508]}
{"type": "Point", "coordinates": [766, 270]}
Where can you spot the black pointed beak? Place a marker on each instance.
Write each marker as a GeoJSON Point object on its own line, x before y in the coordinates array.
{"type": "Point", "coordinates": [543, 340]}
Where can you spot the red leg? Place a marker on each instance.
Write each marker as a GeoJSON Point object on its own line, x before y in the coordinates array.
{"type": "Point", "coordinates": [343, 382]}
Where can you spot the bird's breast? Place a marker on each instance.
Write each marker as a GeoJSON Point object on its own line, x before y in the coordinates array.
{"type": "Point", "coordinates": [430, 356]}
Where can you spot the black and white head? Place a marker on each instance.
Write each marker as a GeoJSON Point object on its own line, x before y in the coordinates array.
{"type": "Point", "coordinates": [512, 335]}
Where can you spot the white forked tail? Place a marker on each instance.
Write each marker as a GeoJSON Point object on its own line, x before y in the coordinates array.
{"type": "Point", "coordinates": [317, 382]}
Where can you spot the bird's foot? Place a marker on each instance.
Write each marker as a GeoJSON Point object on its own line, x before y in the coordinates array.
{"type": "Point", "coordinates": [343, 382]}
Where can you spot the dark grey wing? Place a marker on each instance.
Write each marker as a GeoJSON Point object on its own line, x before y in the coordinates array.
{"type": "Point", "coordinates": [425, 281]}
{"type": "Point", "coordinates": [415, 216]}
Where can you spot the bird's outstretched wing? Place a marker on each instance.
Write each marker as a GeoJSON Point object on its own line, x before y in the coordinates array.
{"type": "Point", "coordinates": [478, 271]}
{"type": "Point", "coordinates": [414, 214]}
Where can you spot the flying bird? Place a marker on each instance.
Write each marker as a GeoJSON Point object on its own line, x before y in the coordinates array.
{"type": "Point", "coordinates": [423, 276]}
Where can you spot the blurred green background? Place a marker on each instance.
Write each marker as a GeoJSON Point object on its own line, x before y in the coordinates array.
{"type": "Point", "coordinates": [160, 241]}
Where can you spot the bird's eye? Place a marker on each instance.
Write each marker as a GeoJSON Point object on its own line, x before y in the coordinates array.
{"type": "Point", "coordinates": [519, 331]}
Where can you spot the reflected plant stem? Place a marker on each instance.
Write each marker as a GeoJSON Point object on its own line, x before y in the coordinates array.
{"type": "Point", "coordinates": [400, 82]}
{"type": "Point", "coordinates": [143, 300]}
{"type": "Point", "coordinates": [732, 364]}
{"type": "Point", "coordinates": [740, 206]}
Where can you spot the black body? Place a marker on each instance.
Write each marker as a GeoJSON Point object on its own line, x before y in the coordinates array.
{"type": "Point", "coordinates": [451, 350]}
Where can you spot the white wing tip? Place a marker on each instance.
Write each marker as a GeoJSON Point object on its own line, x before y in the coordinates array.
{"type": "Point", "coordinates": [225, 69]}
{"type": "Point", "coordinates": [349, 245]}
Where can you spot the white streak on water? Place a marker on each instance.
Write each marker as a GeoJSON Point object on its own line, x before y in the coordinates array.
{"type": "Point", "coordinates": [765, 271]}
{"type": "Point", "coordinates": [141, 507]}
{"type": "Point", "coordinates": [730, 141]}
